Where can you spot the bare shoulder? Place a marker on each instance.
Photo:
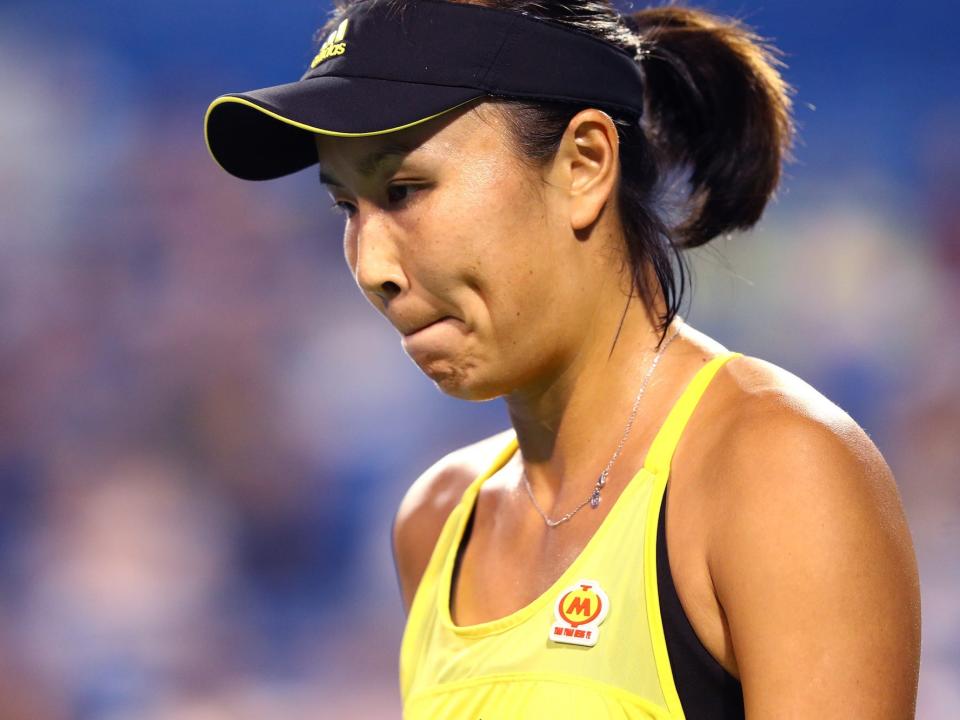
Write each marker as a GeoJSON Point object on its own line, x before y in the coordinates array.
{"type": "Point", "coordinates": [428, 502]}
{"type": "Point", "coordinates": [810, 554]}
{"type": "Point", "coordinates": [770, 412]}
{"type": "Point", "coordinates": [782, 440]}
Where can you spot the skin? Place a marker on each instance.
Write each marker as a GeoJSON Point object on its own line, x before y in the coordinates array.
{"type": "Point", "coordinates": [786, 534]}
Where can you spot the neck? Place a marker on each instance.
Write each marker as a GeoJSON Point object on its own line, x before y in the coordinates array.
{"type": "Point", "coordinates": [569, 425]}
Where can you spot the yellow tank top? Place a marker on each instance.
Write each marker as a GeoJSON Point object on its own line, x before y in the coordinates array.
{"type": "Point", "coordinates": [591, 646]}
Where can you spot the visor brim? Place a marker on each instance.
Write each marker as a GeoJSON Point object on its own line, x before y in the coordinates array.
{"type": "Point", "coordinates": [268, 133]}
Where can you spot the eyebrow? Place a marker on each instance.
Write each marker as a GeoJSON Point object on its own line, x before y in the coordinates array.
{"type": "Point", "coordinates": [368, 164]}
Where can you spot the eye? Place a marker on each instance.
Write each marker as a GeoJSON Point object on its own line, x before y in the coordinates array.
{"type": "Point", "coordinates": [342, 208]}
{"type": "Point", "coordinates": [398, 193]}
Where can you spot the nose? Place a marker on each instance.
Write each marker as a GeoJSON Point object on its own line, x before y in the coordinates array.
{"type": "Point", "coordinates": [374, 258]}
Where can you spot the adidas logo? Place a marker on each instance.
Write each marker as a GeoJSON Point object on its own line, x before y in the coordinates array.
{"type": "Point", "coordinates": [333, 46]}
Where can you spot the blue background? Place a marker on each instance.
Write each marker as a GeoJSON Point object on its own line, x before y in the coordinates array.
{"type": "Point", "coordinates": [205, 430]}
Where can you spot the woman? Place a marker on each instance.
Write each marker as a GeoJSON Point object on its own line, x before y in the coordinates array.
{"type": "Point", "coordinates": [516, 178]}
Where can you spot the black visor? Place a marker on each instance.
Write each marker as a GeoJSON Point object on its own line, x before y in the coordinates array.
{"type": "Point", "coordinates": [383, 69]}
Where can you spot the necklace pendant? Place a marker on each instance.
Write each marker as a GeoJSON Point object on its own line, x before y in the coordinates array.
{"type": "Point", "coordinates": [595, 499]}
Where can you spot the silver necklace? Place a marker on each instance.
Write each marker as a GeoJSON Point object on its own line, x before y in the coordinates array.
{"type": "Point", "coordinates": [594, 497]}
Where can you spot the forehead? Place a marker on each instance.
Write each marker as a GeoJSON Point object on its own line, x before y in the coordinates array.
{"type": "Point", "coordinates": [453, 135]}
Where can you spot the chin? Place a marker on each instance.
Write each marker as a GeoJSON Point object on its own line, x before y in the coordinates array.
{"type": "Point", "coordinates": [459, 383]}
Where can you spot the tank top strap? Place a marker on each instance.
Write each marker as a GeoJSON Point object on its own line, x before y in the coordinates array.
{"type": "Point", "coordinates": [467, 498]}
{"type": "Point", "coordinates": [465, 505]}
{"type": "Point", "coordinates": [665, 443]}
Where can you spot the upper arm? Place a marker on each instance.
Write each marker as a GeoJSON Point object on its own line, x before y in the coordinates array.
{"type": "Point", "coordinates": [426, 506]}
{"type": "Point", "coordinates": [814, 567]}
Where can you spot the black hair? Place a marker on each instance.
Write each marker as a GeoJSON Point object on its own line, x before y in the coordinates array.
{"type": "Point", "coordinates": [716, 112]}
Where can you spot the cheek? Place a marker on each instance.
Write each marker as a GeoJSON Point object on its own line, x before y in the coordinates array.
{"type": "Point", "coordinates": [480, 241]}
{"type": "Point", "coordinates": [493, 224]}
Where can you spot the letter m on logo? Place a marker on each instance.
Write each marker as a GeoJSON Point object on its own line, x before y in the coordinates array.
{"type": "Point", "coordinates": [579, 606]}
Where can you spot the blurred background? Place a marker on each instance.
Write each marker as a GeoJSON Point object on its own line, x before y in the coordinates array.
{"type": "Point", "coordinates": [205, 430]}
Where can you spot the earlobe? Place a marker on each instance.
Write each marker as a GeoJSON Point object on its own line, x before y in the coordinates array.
{"type": "Point", "coordinates": [593, 159]}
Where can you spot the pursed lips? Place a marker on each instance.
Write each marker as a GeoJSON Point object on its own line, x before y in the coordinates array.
{"type": "Point", "coordinates": [424, 327]}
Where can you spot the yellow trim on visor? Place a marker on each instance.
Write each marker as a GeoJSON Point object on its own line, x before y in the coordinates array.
{"type": "Point", "coordinates": [304, 126]}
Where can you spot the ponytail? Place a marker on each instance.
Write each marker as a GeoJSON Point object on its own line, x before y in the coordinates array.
{"type": "Point", "coordinates": [716, 104]}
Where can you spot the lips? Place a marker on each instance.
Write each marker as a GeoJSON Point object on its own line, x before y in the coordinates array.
{"type": "Point", "coordinates": [424, 327]}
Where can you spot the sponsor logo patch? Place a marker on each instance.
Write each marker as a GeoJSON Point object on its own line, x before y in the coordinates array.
{"type": "Point", "coordinates": [579, 610]}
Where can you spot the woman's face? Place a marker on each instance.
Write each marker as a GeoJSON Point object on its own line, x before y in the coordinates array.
{"type": "Point", "coordinates": [459, 229]}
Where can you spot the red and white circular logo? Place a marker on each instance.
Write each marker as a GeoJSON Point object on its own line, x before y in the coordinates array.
{"type": "Point", "coordinates": [579, 610]}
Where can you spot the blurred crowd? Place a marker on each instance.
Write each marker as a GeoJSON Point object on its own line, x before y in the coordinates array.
{"type": "Point", "coordinates": [205, 430]}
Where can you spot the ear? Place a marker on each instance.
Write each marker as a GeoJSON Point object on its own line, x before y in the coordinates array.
{"type": "Point", "coordinates": [587, 163]}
